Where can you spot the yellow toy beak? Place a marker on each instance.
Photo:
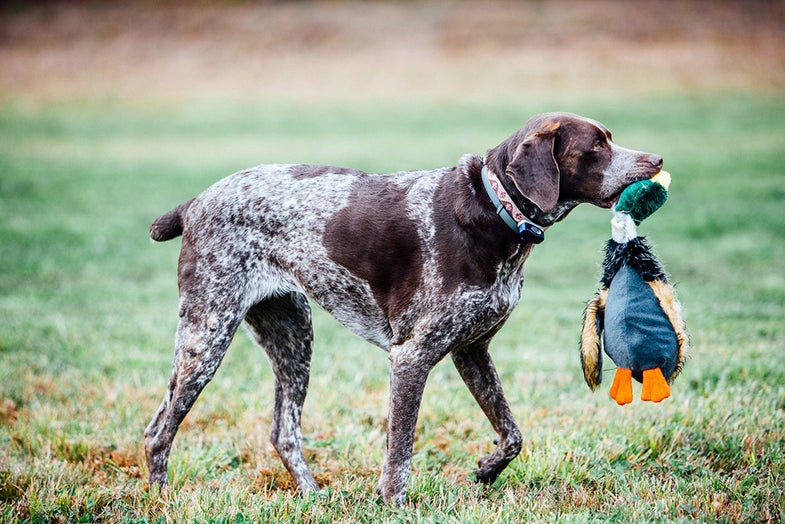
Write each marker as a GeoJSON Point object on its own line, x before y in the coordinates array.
{"type": "Point", "coordinates": [663, 178]}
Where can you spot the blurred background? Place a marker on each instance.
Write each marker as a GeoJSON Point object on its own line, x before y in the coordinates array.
{"type": "Point", "coordinates": [450, 51]}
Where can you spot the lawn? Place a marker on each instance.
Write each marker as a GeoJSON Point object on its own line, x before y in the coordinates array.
{"type": "Point", "coordinates": [88, 308]}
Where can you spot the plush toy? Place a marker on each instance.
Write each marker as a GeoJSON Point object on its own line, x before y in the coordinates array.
{"type": "Point", "coordinates": [635, 316]}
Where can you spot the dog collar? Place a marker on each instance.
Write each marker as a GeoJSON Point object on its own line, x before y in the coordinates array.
{"type": "Point", "coordinates": [529, 232]}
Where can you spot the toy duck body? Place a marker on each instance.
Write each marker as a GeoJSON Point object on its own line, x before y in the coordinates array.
{"type": "Point", "coordinates": [639, 338]}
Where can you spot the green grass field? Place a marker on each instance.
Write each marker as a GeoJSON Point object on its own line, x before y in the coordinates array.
{"type": "Point", "coordinates": [88, 309]}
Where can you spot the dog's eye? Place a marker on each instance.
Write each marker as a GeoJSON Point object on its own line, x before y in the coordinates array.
{"type": "Point", "coordinates": [597, 145]}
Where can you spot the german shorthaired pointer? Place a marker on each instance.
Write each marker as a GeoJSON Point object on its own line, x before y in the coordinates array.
{"type": "Point", "coordinates": [421, 263]}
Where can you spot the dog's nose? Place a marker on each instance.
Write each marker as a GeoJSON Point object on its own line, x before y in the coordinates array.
{"type": "Point", "coordinates": [656, 161]}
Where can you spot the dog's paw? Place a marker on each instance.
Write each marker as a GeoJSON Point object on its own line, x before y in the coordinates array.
{"type": "Point", "coordinates": [488, 470]}
{"type": "Point", "coordinates": [394, 497]}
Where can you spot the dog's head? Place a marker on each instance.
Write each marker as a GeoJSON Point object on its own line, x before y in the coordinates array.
{"type": "Point", "coordinates": [558, 160]}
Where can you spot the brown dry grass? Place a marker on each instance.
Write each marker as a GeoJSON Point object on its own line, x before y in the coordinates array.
{"type": "Point", "coordinates": [382, 50]}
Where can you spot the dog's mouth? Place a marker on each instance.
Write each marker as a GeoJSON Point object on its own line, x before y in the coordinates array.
{"type": "Point", "coordinates": [611, 201]}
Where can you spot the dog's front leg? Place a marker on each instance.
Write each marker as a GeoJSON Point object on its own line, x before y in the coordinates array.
{"type": "Point", "coordinates": [475, 366]}
{"type": "Point", "coordinates": [409, 368]}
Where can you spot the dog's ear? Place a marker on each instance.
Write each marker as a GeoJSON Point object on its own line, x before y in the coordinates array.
{"type": "Point", "coordinates": [534, 170]}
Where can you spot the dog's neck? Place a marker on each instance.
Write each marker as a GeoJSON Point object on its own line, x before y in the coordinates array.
{"type": "Point", "coordinates": [541, 218]}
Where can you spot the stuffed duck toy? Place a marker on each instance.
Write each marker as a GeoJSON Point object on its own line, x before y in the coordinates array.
{"type": "Point", "coordinates": [635, 317]}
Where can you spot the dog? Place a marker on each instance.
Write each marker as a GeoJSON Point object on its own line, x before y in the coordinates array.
{"type": "Point", "coordinates": [420, 263]}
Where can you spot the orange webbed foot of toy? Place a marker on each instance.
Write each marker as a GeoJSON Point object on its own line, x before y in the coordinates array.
{"type": "Point", "coordinates": [655, 387]}
{"type": "Point", "coordinates": [621, 389]}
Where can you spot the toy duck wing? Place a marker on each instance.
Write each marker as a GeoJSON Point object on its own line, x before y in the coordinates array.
{"type": "Point", "coordinates": [666, 295]}
{"type": "Point", "coordinates": [591, 353]}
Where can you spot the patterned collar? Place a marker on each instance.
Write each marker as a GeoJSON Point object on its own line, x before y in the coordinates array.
{"type": "Point", "coordinates": [528, 231]}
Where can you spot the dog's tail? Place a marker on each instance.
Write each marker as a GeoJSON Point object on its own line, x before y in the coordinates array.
{"type": "Point", "coordinates": [169, 225]}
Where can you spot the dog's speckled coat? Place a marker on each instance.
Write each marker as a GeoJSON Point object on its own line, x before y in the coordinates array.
{"type": "Point", "coordinates": [418, 263]}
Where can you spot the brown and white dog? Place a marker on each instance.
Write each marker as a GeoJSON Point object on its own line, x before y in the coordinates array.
{"type": "Point", "coordinates": [420, 263]}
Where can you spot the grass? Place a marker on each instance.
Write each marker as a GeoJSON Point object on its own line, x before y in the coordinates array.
{"type": "Point", "coordinates": [88, 311]}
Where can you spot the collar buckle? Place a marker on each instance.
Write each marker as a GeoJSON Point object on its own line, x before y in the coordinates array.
{"type": "Point", "coordinates": [531, 233]}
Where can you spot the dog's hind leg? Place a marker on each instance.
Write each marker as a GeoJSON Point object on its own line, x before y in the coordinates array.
{"type": "Point", "coordinates": [210, 311]}
{"type": "Point", "coordinates": [203, 335]}
{"type": "Point", "coordinates": [475, 366]}
{"type": "Point", "coordinates": [282, 326]}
